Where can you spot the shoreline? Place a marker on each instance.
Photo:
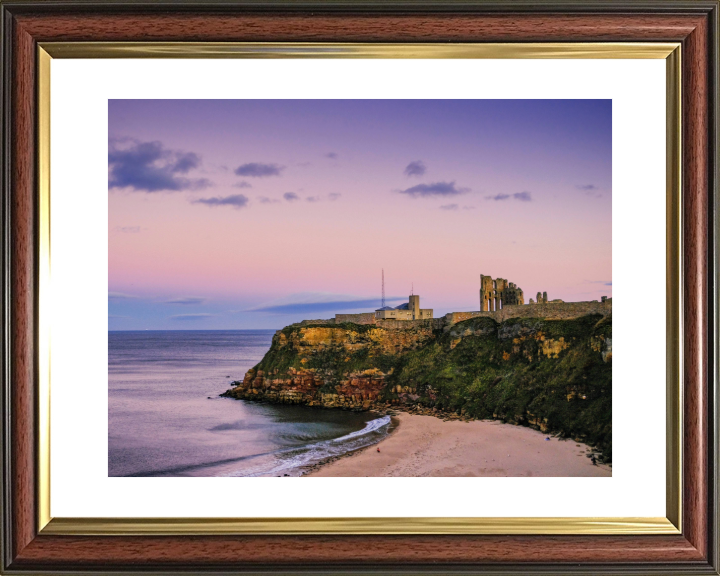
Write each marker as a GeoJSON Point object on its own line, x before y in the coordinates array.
{"type": "Point", "coordinates": [310, 469]}
{"type": "Point", "coordinates": [421, 445]}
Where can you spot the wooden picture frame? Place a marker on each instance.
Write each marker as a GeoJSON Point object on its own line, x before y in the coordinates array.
{"type": "Point", "coordinates": [31, 545]}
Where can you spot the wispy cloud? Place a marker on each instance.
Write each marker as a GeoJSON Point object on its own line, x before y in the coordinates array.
{"type": "Point", "coordinates": [589, 189]}
{"type": "Point", "coordinates": [468, 207]}
{"type": "Point", "coordinates": [242, 184]}
{"type": "Point", "coordinates": [266, 200]}
{"type": "Point", "coordinates": [291, 196]}
{"type": "Point", "coordinates": [415, 168]}
{"type": "Point", "coordinates": [186, 300]}
{"type": "Point", "coordinates": [128, 229]}
{"type": "Point", "coordinates": [236, 201]}
{"type": "Point", "coordinates": [191, 317]}
{"type": "Point", "coordinates": [449, 207]}
{"type": "Point", "coordinates": [603, 282]}
{"type": "Point", "coordinates": [313, 199]}
{"type": "Point", "coordinates": [331, 155]}
{"type": "Point", "coordinates": [334, 196]}
{"type": "Point", "coordinates": [435, 189]}
{"type": "Point", "coordinates": [150, 167]}
{"type": "Point", "coordinates": [259, 170]}
{"type": "Point", "coordinates": [521, 196]}
{"type": "Point", "coordinates": [120, 296]}
{"type": "Point", "coordinates": [316, 302]}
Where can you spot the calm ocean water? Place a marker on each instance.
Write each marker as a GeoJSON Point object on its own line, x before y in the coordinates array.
{"type": "Point", "coordinates": [166, 419]}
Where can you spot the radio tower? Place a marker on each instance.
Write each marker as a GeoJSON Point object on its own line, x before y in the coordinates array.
{"type": "Point", "coordinates": [383, 288]}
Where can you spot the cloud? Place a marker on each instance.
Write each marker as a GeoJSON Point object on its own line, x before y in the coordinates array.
{"type": "Point", "coordinates": [435, 189]}
{"type": "Point", "coordinates": [266, 200]}
{"type": "Point", "coordinates": [149, 167]}
{"type": "Point", "coordinates": [603, 282]}
{"type": "Point", "coordinates": [449, 207]}
{"type": "Point", "coordinates": [186, 300]}
{"type": "Point", "coordinates": [468, 207]}
{"type": "Point", "coordinates": [242, 184]}
{"type": "Point", "coordinates": [191, 317]}
{"type": "Point", "coordinates": [312, 302]}
{"type": "Point", "coordinates": [120, 296]}
{"type": "Point", "coordinates": [128, 229]}
{"type": "Point", "coordinates": [416, 168]}
{"type": "Point", "coordinates": [590, 190]}
{"type": "Point", "coordinates": [258, 170]}
{"type": "Point", "coordinates": [313, 198]}
{"type": "Point", "coordinates": [236, 201]}
{"type": "Point", "coordinates": [334, 196]}
{"type": "Point", "coordinates": [521, 196]}
{"type": "Point", "coordinates": [331, 155]}
{"type": "Point", "coordinates": [291, 196]}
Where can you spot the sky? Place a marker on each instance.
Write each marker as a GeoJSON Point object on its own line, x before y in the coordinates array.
{"type": "Point", "coordinates": [250, 214]}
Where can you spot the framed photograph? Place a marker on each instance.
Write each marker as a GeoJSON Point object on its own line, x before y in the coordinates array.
{"type": "Point", "coordinates": [329, 287]}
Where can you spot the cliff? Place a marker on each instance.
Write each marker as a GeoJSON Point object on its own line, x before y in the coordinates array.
{"type": "Point", "coordinates": [552, 374]}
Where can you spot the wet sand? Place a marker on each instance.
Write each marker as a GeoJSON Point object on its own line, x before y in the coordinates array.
{"type": "Point", "coordinates": [429, 446]}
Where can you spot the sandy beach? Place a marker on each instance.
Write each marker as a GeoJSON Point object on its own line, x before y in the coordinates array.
{"type": "Point", "coordinates": [429, 446]}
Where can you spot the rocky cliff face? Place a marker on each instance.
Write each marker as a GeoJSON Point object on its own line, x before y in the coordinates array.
{"type": "Point", "coordinates": [554, 375]}
{"type": "Point", "coordinates": [333, 366]}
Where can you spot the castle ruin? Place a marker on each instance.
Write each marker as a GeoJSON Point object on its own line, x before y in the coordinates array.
{"type": "Point", "coordinates": [498, 293]}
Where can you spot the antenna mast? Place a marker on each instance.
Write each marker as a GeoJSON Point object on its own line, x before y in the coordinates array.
{"type": "Point", "coordinates": [383, 288]}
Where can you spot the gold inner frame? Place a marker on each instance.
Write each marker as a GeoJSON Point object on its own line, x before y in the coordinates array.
{"type": "Point", "coordinates": [671, 524]}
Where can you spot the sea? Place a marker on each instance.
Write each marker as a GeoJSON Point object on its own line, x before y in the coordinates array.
{"type": "Point", "coordinates": [166, 416]}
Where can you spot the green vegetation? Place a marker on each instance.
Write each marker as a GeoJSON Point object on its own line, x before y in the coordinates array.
{"type": "Point", "coordinates": [554, 375]}
{"type": "Point", "coordinates": [500, 371]}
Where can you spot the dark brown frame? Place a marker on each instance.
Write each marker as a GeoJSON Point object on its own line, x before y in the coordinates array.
{"type": "Point", "coordinates": [693, 23]}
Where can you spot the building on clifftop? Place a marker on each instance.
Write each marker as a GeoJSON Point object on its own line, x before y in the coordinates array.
{"type": "Point", "coordinates": [409, 311]}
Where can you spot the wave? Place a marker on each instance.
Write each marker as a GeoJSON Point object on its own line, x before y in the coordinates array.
{"type": "Point", "coordinates": [292, 460]}
{"type": "Point", "coordinates": [371, 426]}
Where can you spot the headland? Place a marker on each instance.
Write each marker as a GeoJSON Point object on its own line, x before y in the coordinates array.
{"type": "Point", "coordinates": [545, 365]}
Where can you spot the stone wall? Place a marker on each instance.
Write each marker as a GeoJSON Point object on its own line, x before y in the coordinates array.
{"type": "Point", "coordinates": [369, 319]}
{"type": "Point", "coordinates": [317, 322]}
{"type": "Point", "coordinates": [549, 311]}
{"type": "Point", "coordinates": [363, 318]}
{"type": "Point", "coordinates": [432, 323]}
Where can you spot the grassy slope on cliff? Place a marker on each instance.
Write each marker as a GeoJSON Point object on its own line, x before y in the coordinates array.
{"type": "Point", "coordinates": [521, 371]}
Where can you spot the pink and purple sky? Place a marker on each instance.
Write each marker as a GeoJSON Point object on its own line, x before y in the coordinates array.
{"type": "Point", "coordinates": [240, 214]}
